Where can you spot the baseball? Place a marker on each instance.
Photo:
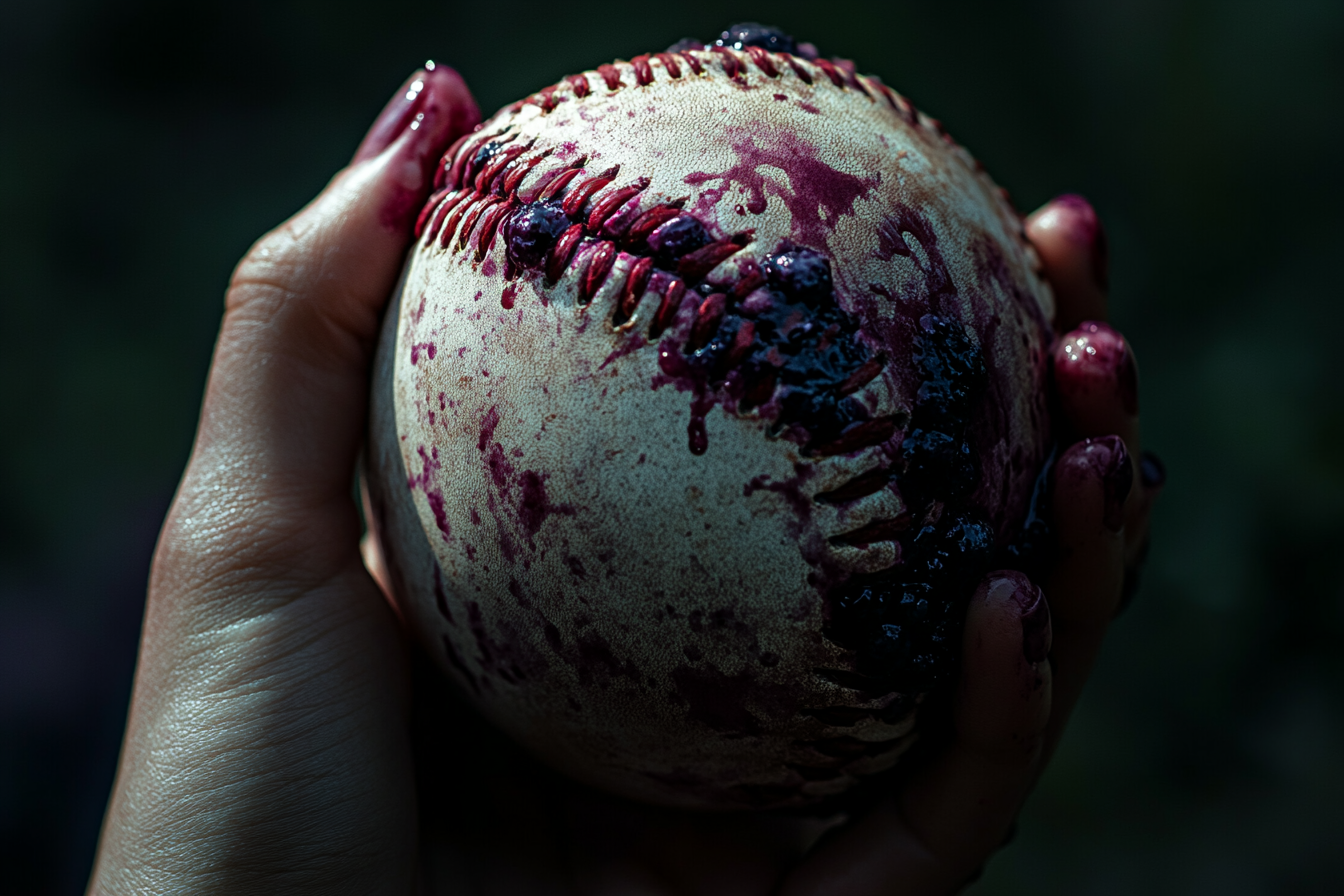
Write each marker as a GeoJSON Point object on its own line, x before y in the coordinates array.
{"type": "Point", "coordinates": [714, 382]}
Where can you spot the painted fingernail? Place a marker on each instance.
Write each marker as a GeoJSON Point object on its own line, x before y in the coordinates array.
{"type": "Point", "coordinates": [399, 111]}
{"type": "Point", "coordinates": [1152, 472]}
{"type": "Point", "coordinates": [1093, 364]}
{"type": "Point", "coordinates": [434, 108]}
{"type": "Point", "coordinates": [1034, 612]}
{"type": "Point", "coordinates": [1106, 459]}
{"type": "Point", "coordinates": [1075, 217]}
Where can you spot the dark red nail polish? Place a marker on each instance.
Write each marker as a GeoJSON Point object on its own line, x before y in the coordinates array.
{"type": "Point", "coordinates": [1033, 609]}
{"type": "Point", "coordinates": [1080, 221]}
{"type": "Point", "coordinates": [1105, 459]}
{"type": "Point", "coordinates": [1093, 364]}
{"type": "Point", "coordinates": [434, 109]}
{"type": "Point", "coordinates": [396, 115]}
{"type": "Point", "coordinates": [1152, 471]}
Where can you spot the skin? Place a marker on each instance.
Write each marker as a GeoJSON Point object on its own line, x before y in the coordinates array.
{"type": "Point", "coordinates": [277, 716]}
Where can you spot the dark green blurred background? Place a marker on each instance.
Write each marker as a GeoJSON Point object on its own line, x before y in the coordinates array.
{"type": "Point", "coordinates": [144, 145]}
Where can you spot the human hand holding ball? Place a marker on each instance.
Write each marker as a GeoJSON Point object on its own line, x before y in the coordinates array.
{"type": "Point", "coordinates": [271, 705]}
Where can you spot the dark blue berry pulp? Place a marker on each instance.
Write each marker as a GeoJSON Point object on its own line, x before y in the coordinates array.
{"type": "Point", "coordinates": [530, 233]}
{"type": "Point", "coordinates": [904, 623]}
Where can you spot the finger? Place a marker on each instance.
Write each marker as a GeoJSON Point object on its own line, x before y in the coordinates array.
{"type": "Point", "coordinates": [1096, 379]}
{"type": "Point", "coordinates": [286, 396]}
{"type": "Point", "coordinates": [952, 814]}
{"type": "Point", "coordinates": [1072, 245]}
{"type": "Point", "coordinates": [1093, 481]}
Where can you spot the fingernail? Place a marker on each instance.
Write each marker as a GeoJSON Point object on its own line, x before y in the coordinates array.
{"type": "Point", "coordinates": [399, 111]}
{"type": "Point", "coordinates": [1106, 459]}
{"type": "Point", "coordinates": [434, 108]}
{"type": "Point", "coordinates": [1034, 612]}
{"type": "Point", "coordinates": [1074, 217]}
{"type": "Point", "coordinates": [1093, 364]}
{"type": "Point", "coordinates": [1152, 472]}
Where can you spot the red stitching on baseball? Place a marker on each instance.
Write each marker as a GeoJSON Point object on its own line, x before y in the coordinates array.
{"type": "Point", "coordinates": [633, 291]}
{"type": "Point", "coordinates": [557, 184]}
{"type": "Point", "coordinates": [580, 84]}
{"type": "Point", "coordinates": [693, 267]}
{"type": "Point", "coordinates": [694, 63]}
{"type": "Point", "coordinates": [614, 200]}
{"type": "Point", "coordinates": [707, 318]}
{"type": "Point", "coordinates": [469, 221]}
{"type": "Point", "coordinates": [761, 57]}
{"type": "Point", "coordinates": [546, 98]}
{"type": "Point", "coordinates": [496, 165]}
{"type": "Point", "coordinates": [798, 68]}
{"type": "Point", "coordinates": [575, 198]}
{"type": "Point", "coordinates": [732, 64]}
{"type": "Point", "coordinates": [599, 266]}
{"type": "Point", "coordinates": [445, 207]}
{"type": "Point", "coordinates": [861, 435]}
{"type": "Point", "coordinates": [861, 377]}
{"type": "Point", "coordinates": [647, 223]}
{"type": "Point", "coordinates": [643, 72]}
{"type": "Point", "coordinates": [741, 344]}
{"type": "Point", "coordinates": [859, 487]}
{"type": "Point", "coordinates": [751, 279]}
{"type": "Point", "coordinates": [441, 175]}
{"type": "Point", "coordinates": [450, 226]}
{"type": "Point", "coordinates": [514, 177]}
{"type": "Point", "coordinates": [670, 63]}
{"type": "Point", "coordinates": [667, 308]}
{"type": "Point", "coordinates": [434, 199]}
{"type": "Point", "coordinates": [611, 74]}
{"type": "Point", "coordinates": [489, 224]}
{"type": "Point", "coordinates": [831, 72]}
{"type": "Point", "coordinates": [563, 251]}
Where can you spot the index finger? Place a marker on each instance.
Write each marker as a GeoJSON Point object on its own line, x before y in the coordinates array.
{"type": "Point", "coordinates": [1071, 242]}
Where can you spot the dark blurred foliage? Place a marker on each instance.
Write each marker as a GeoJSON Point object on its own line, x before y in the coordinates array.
{"type": "Point", "coordinates": [145, 144]}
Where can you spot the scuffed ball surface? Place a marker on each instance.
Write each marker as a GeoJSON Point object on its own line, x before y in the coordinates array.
{"type": "Point", "coordinates": [713, 384]}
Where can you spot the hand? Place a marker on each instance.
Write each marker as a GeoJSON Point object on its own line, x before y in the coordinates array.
{"type": "Point", "coordinates": [267, 748]}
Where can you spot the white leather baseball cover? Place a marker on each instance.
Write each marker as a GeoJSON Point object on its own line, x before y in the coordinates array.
{"type": "Point", "coordinates": [604, 514]}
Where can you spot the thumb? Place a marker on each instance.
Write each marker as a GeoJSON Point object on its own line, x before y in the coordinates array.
{"type": "Point", "coordinates": [285, 402]}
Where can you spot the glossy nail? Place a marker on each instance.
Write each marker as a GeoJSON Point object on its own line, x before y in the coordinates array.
{"type": "Point", "coordinates": [1107, 460]}
{"type": "Point", "coordinates": [399, 111]}
{"type": "Point", "coordinates": [1093, 367]}
{"type": "Point", "coordinates": [1073, 217]}
{"type": "Point", "coordinates": [432, 109]}
{"type": "Point", "coordinates": [1152, 472]}
{"type": "Point", "coordinates": [1034, 612]}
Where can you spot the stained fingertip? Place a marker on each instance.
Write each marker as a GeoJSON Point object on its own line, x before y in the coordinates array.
{"type": "Point", "coordinates": [1071, 218]}
{"type": "Point", "coordinates": [1104, 460]}
{"type": "Point", "coordinates": [1073, 248]}
{"type": "Point", "coordinates": [1094, 373]}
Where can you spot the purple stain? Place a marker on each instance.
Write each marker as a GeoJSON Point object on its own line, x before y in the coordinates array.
{"type": "Point", "coordinates": [436, 506]}
{"type": "Point", "coordinates": [427, 347]}
{"type": "Point", "coordinates": [488, 428]}
{"type": "Point", "coordinates": [506, 300]}
{"type": "Point", "coordinates": [815, 188]}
